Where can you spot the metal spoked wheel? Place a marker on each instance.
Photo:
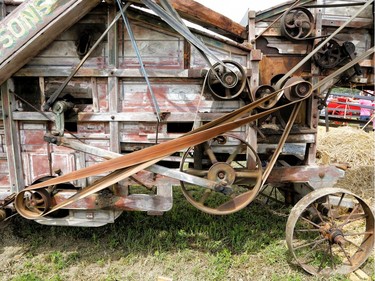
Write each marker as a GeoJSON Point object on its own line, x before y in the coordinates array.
{"type": "Point", "coordinates": [297, 23]}
{"type": "Point", "coordinates": [32, 204]}
{"type": "Point", "coordinates": [233, 164]}
{"type": "Point", "coordinates": [229, 82]}
{"type": "Point", "coordinates": [330, 231]}
{"type": "Point", "coordinates": [329, 55]}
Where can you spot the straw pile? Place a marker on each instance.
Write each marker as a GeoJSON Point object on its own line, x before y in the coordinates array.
{"type": "Point", "coordinates": [354, 147]}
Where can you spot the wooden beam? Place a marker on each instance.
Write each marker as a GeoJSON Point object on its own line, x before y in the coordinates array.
{"type": "Point", "coordinates": [21, 40]}
{"type": "Point", "coordinates": [207, 18]}
{"type": "Point", "coordinates": [200, 14]}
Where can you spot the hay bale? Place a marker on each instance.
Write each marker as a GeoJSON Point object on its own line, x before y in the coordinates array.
{"type": "Point", "coordinates": [347, 145]}
{"type": "Point", "coordinates": [354, 147]}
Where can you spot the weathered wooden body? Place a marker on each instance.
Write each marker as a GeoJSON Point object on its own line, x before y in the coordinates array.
{"type": "Point", "coordinates": [113, 107]}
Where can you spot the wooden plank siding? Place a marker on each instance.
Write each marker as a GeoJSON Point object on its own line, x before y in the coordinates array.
{"type": "Point", "coordinates": [113, 103]}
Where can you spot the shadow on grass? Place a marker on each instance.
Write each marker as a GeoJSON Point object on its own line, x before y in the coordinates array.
{"type": "Point", "coordinates": [184, 227]}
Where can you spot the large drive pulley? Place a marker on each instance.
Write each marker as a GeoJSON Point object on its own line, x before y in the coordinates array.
{"type": "Point", "coordinates": [235, 167]}
{"type": "Point", "coordinates": [228, 81]}
{"type": "Point", "coordinates": [297, 23]}
{"type": "Point", "coordinates": [296, 88]}
{"type": "Point", "coordinates": [32, 204]}
{"type": "Point", "coordinates": [330, 231]}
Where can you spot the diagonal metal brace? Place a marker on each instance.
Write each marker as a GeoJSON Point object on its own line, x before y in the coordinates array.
{"type": "Point", "coordinates": [139, 57]}
{"type": "Point", "coordinates": [59, 90]}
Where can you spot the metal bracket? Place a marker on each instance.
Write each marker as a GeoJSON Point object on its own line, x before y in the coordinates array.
{"type": "Point", "coordinates": [59, 108]}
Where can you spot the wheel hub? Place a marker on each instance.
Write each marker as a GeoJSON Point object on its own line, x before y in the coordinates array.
{"type": "Point", "coordinates": [230, 79]}
{"type": "Point", "coordinates": [222, 173]}
{"type": "Point", "coordinates": [332, 234]}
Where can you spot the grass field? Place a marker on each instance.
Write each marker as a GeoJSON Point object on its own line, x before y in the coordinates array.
{"type": "Point", "coordinates": [183, 244]}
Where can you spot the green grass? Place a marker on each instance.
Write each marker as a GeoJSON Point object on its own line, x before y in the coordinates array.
{"type": "Point", "coordinates": [183, 244]}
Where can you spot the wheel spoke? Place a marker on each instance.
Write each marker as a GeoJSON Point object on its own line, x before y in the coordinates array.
{"type": "Point", "coordinates": [307, 230]}
{"type": "Point", "coordinates": [346, 254]}
{"type": "Point", "coordinates": [205, 196]}
{"type": "Point", "coordinates": [350, 215]}
{"type": "Point", "coordinates": [39, 201]}
{"type": "Point", "coordinates": [331, 255]}
{"type": "Point", "coordinates": [315, 243]}
{"type": "Point", "coordinates": [228, 93]}
{"type": "Point", "coordinates": [234, 154]}
{"type": "Point", "coordinates": [358, 247]}
{"type": "Point", "coordinates": [354, 218]}
{"type": "Point", "coordinates": [310, 222]}
{"type": "Point", "coordinates": [324, 258]}
{"type": "Point", "coordinates": [252, 174]}
{"type": "Point", "coordinates": [196, 172]}
{"type": "Point", "coordinates": [341, 198]}
{"type": "Point", "coordinates": [210, 153]}
{"type": "Point", "coordinates": [215, 81]}
{"type": "Point", "coordinates": [300, 32]}
{"type": "Point", "coordinates": [359, 234]}
{"type": "Point", "coordinates": [318, 213]}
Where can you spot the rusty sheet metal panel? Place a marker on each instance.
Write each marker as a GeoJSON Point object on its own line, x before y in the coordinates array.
{"type": "Point", "coordinates": [32, 26]}
{"type": "Point", "coordinates": [339, 15]}
{"type": "Point", "coordinates": [275, 65]}
{"type": "Point", "coordinates": [359, 31]}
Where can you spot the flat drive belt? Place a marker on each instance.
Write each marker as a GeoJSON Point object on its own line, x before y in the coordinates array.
{"type": "Point", "coordinates": [129, 164]}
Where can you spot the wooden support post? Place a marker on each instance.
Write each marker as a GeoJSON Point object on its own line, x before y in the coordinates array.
{"type": "Point", "coordinates": [13, 151]}
{"type": "Point", "coordinates": [312, 103]}
{"type": "Point", "coordinates": [113, 84]}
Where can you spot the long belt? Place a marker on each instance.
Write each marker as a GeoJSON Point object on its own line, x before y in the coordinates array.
{"type": "Point", "coordinates": [129, 164]}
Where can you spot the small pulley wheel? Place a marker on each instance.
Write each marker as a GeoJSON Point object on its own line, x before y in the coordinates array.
{"type": "Point", "coordinates": [264, 91]}
{"type": "Point", "coordinates": [229, 81]}
{"type": "Point", "coordinates": [297, 23]}
{"type": "Point", "coordinates": [330, 231]}
{"type": "Point", "coordinates": [296, 88]}
{"type": "Point", "coordinates": [32, 204]}
{"type": "Point", "coordinates": [230, 162]}
{"type": "Point", "coordinates": [329, 55]}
